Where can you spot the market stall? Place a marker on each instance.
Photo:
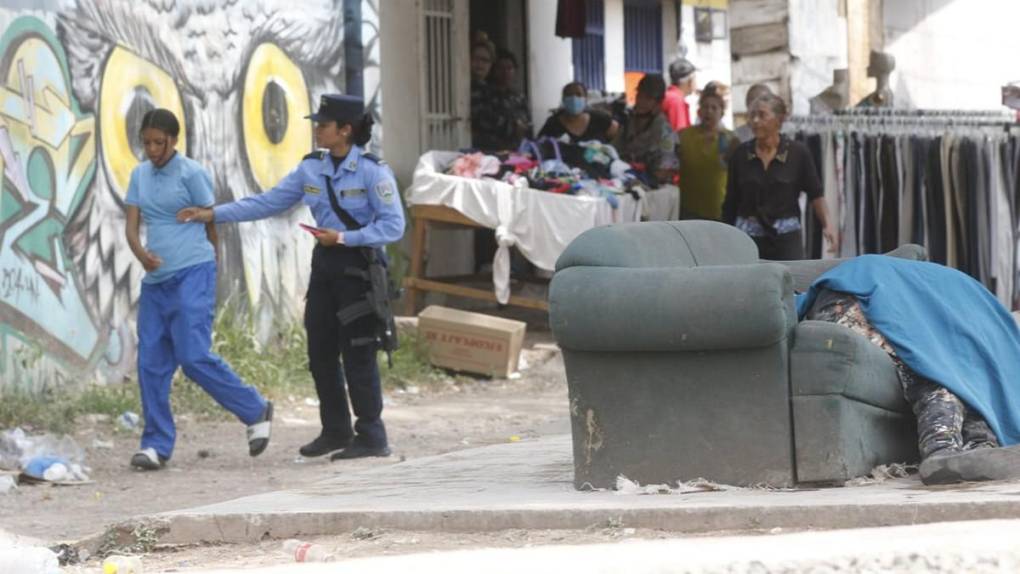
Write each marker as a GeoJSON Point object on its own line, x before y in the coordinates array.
{"type": "Point", "coordinates": [538, 223]}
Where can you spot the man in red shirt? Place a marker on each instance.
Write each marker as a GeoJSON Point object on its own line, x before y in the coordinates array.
{"type": "Point", "coordinates": [681, 76]}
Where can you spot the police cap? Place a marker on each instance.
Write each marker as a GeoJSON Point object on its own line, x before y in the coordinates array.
{"type": "Point", "coordinates": [338, 107]}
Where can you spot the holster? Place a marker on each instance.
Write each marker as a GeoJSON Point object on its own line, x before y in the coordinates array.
{"type": "Point", "coordinates": [377, 303]}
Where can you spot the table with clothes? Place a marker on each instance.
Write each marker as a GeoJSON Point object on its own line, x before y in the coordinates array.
{"type": "Point", "coordinates": [536, 205]}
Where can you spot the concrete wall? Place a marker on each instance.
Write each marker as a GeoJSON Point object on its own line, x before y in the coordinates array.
{"type": "Point", "coordinates": [713, 59]}
{"type": "Point", "coordinates": [550, 60]}
{"type": "Point", "coordinates": [400, 22]}
{"type": "Point", "coordinates": [818, 45]}
{"type": "Point", "coordinates": [69, 286]}
{"type": "Point", "coordinates": [952, 53]}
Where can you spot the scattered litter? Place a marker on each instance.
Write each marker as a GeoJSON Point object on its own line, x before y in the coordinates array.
{"type": "Point", "coordinates": [100, 444]}
{"type": "Point", "coordinates": [128, 420]}
{"type": "Point", "coordinates": [702, 485]}
{"type": "Point", "coordinates": [465, 441]}
{"type": "Point", "coordinates": [204, 453]}
{"type": "Point", "coordinates": [515, 438]}
{"type": "Point", "coordinates": [55, 469]}
{"type": "Point", "coordinates": [413, 390]}
{"type": "Point", "coordinates": [629, 531]}
{"type": "Point", "coordinates": [775, 530]}
{"type": "Point", "coordinates": [300, 460]}
{"type": "Point", "coordinates": [45, 457]}
{"type": "Point", "coordinates": [68, 554]}
{"type": "Point", "coordinates": [8, 483]}
{"type": "Point", "coordinates": [625, 485]}
{"type": "Point", "coordinates": [516, 375]}
{"type": "Point", "coordinates": [362, 533]}
{"type": "Point", "coordinates": [306, 551]}
{"type": "Point", "coordinates": [311, 402]}
{"type": "Point", "coordinates": [522, 363]}
{"type": "Point", "coordinates": [29, 559]}
{"type": "Point", "coordinates": [122, 565]}
{"type": "Point", "coordinates": [882, 473]}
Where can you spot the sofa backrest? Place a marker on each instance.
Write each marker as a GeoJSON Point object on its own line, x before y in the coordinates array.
{"type": "Point", "coordinates": [660, 244]}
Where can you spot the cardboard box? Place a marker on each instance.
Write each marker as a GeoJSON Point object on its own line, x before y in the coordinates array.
{"type": "Point", "coordinates": [472, 342]}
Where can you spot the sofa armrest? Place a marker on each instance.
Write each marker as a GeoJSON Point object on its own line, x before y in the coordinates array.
{"type": "Point", "coordinates": [671, 309]}
{"type": "Point", "coordinates": [830, 359]}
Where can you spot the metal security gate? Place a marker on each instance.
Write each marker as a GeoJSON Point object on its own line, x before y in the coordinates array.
{"type": "Point", "coordinates": [445, 76]}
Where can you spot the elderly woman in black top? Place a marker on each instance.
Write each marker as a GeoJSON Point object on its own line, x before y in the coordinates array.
{"type": "Point", "coordinates": [766, 177]}
{"type": "Point", "coordinates": [576, 121]}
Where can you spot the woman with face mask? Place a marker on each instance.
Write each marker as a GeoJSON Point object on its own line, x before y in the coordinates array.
{"type": "Point", "coordinates": [576, 121]}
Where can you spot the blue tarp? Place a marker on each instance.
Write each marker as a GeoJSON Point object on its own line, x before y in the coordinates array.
{"type": "Point", "coordinates": [944, 325]}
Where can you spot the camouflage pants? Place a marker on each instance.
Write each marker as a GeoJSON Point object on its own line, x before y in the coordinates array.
{"type": "Point", "coordinates": [944, 422]}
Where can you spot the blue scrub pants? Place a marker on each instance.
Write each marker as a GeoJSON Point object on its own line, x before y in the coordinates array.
{"type": "Point", "coordinates": [175, 329]}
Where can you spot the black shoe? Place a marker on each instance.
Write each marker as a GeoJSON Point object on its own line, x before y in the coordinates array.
{"type": "Point", "coordinates": [258, 433]}
{"type": "Point", "coordinates": [147, 459]}
{"type": "Point", "coordinates": [323, 445]}
{"type": "Point", "coordinates": [1001, 463]}
{"type": "Point", "coordinates": [357, 450]}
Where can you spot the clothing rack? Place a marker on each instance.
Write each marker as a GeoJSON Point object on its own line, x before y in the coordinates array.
{"type": "Point", "coordinates": [946, 179]}
{"type": "Point", "coordinates": [878, 117]}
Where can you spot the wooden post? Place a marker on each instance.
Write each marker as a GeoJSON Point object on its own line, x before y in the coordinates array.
{"type": "Point", "coordinates": [418, 242]}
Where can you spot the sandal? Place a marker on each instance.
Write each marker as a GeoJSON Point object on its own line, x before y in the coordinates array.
{"type": "Point", "coordinates": [147, 459]}
{"type": "Point", "coordinates": [258, 433]}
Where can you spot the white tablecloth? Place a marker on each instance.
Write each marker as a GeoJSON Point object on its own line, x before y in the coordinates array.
{"type": "Point", "coordinates": [541, 224]}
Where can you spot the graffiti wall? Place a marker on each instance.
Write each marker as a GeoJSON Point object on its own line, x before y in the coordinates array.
{"type": "Point", "coordinates": [75, 82]}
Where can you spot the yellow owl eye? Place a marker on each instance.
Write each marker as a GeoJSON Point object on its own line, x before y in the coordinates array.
{"type": "Point", "coordinates": [276, 133]}
{"type": "Point", "coordinates": [130, 87]}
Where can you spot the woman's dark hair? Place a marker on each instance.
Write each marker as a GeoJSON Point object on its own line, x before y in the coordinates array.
{"type": "Point", "coordinates": [362, 129]}
{"type": "Point", "coordinates": [716, 90]}
{"type": "Point", "coordinates": [503, 54]}
{"type": "Point", "coordinates": [163, 120]}
{"type": "Point", "coordinates": [566, 88]}
{"type": "Point", "coordinates": [653, 86]}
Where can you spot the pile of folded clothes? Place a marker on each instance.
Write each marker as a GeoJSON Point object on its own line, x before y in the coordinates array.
{"type": "Point", "coordinates": [588, 168]}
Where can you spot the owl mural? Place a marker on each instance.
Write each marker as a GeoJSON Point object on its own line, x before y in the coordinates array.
{"type": "Point", "coordinates": [241, 76]}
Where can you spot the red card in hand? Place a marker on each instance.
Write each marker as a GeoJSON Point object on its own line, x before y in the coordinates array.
{"type": "Point", "coordinates": [310, 229]}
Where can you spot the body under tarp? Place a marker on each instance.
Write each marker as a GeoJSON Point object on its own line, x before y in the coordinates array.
{"type": "Point", "coordinates": [944, 325]}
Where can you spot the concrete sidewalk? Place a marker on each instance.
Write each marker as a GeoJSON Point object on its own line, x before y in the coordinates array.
{"type": "Point", "coordinates": [984, 547]}
{"type": "Point", "coordinates": [528, 485]}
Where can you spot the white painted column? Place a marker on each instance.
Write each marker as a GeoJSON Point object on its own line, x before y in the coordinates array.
{"type": "Point", "coordinates": [550, 60]}
{"type": "Point", "coordinates": [614, 45]}
{"type": "Point", "coordinates": [399, 74]}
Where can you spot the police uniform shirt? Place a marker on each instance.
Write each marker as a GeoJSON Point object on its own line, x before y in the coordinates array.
{"type": "Point", "coordinates": [363, 185]}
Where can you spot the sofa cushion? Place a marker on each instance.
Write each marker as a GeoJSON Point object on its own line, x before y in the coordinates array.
{"type": "Point", "coordinates": [671, 309]}
{"type": "Point", "coordinates": [830, 359]}
{"type": "Point", "coordinates": [659, 244]}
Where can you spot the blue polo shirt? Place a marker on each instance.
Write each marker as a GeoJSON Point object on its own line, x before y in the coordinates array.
{"type": "Point", "coordinates": [160, 193]}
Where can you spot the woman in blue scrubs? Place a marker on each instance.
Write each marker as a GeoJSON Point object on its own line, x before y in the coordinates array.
{"type": "Point", "coordinates": [175, 311]}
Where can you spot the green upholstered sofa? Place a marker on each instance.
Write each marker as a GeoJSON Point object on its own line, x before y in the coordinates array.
{"type": "Point", "coordinates": [685, 360]}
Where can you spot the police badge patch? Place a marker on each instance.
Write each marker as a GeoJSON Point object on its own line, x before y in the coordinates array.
{"type": "Point", "coordinates": [384, 189]}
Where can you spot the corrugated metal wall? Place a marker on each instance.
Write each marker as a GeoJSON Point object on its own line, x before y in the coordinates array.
{"type": "Point", "coordinates": [642, 37]}
{"type": "Point", "coordinates": [589, 53]}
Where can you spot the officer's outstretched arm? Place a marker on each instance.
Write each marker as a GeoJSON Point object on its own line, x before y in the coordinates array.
{"type": "Point", "coordinates": [267, 204]}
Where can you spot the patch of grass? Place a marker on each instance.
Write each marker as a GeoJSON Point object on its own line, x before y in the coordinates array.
{"type": "Point", "coordinates": [278, 368]}
{"type": "Point", "coordinates": [410, 365]}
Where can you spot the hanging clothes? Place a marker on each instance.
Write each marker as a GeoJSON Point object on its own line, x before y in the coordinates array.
{"type": "Point", "coordinates": [949, 184]}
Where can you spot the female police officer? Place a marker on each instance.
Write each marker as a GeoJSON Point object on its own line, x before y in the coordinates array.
{"type": "Point", "coordinates": [353, 198]}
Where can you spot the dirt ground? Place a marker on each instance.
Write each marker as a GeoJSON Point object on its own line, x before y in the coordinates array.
{"type": "Point", "coordinates": [211, 463]}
